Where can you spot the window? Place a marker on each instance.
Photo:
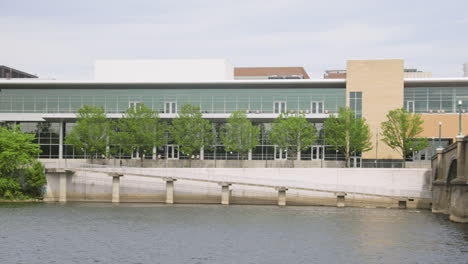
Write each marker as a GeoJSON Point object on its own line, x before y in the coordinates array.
{"type": "Point", "coordinates": [170, 107]}
{"type": "Point", "coordinates": [317, 152]}
{"type": "Point", "coordinates": [279, 107]}
{"type": "Point", "coordinates": [355, 103]}
{"type": "Point", "coordinates": [281, 154]}
{"type": "Point", "coordinates": [134, 104]}
{"type": "Point", "coordinates": [317, 107]}
{"type": "Point", "coordinates": [172, 152]}
{"type": "Point", "coordinates": [410, 106]}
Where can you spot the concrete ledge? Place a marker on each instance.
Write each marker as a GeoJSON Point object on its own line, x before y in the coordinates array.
{"type": "Point", "coordinates": [457, 219]}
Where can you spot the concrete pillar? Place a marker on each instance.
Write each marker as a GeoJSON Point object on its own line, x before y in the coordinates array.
{"type": "Point", "coordinates": [62, 186]}
{"type": "Point", "coordinates": [116, 187]}
{"type": "Point", "coordinates": [281, 196]}
{"type": "Point", "coordinates": [225, 193]}
{"type": "Point", "coordinates": [440, 171]}
{"type": "Point", "coordinates": [340, 199]}
{"type": "Point", "coordinates": [402, 204]}
{"type": "Point", "coordinates": [460, 161]}
{"type": "Point", "coordinates": [249, 155]}
{"type": "Point", "coordinates": [60, 154]}
{"type": "Point", "coordinates": [202, 153]}
{"type": "Point", "coordinates": [170, 190]}
{"type": "Point", "coordinates": [154, 153]}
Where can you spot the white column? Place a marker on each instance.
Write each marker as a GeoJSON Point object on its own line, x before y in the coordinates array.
{"type": "Point", "coordinates": [340, 199]}
{"type": "Point", "coordinates": [249, 157]}
{"type": "Point", "coordinates": [62, 186]}
{"type": "Point", "coordinates": [116, 187]}
{"type": "Point", "coordinates": [225, 193]}
{"type": "Point", "coordinates": [107, 147]}
{"type": "Point", "coordinates": [60, 154]}
{"type": "Point", "coordinates": [154, 153]}
{"type": "Point", "coordinates": [202, 153]}
{"type": "Point", "coordinates": [298, 155]}
{"type": "Point", "coordinates": [282, 196]}
{"type": "Point", "coordinates": [170, 190]}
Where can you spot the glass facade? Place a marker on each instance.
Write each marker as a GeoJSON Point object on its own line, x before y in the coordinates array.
{"type": "Point", "coordinates": [223, 100]}
{"type": "Point", "coordinates": [435, 99]}
{"type": "Point", "coordinates": [355, 103]}
{"type": "Point", "coordinates": [47, 136]}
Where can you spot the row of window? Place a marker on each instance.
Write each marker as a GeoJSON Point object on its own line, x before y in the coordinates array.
{"type": "Point", "coordinates": [171, 152]}
{"type": "Point", "coordinates": [316, 107]}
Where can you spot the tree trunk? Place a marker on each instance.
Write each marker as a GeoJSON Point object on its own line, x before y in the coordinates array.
{"type": "Point", "coordinates": [404, 159]}
{"type": "Point", "coordinates": [141, 160]}
{"type": "Point", "coordinates": [347, 150]}
{"type": "Point", "coordinates": [348, 160]}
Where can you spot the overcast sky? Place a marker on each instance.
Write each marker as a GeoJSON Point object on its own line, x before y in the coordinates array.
{"type": "Point", "coordinates": [62, 38]}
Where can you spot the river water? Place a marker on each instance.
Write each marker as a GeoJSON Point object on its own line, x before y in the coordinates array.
{"type": "Point", "coordinates": [156, 233]}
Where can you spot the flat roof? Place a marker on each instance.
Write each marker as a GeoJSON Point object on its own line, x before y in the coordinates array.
{"type": "Point", "coordinates": [267, 84]}
{"type": "Point", "coordinates": [270, 71]}
{"type": "Point", "coordinates": [17, 71]}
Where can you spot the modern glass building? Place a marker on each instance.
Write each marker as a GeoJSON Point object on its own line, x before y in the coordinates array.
{"type": "Point", "coordinates": [48, 107]}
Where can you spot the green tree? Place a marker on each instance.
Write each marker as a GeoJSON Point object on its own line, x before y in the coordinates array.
{"type": "Point", "coordinates": [33, 179]}
{"type": "Point", "coordinates": [18, 164]}
{"type": "Point", "coordinates": [239, 134]}
{"type": "Point", "coordinates": [17, 150]}
{"type": "Point", "coordinates": [92, 131]}
{"type": "Point", "coordinates": [191, 132]}
{"type": "Point", "coordinates": [139, 130]}
{"type": "Point", "coordinates": [401, 130]}
{"type": "Point", "coordinates": [347, 134]}
{"type": "Point", "coordinates": [293, 133]}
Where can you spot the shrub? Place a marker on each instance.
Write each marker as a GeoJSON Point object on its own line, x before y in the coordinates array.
{"type": "Point", "coordinates": [9, 187]}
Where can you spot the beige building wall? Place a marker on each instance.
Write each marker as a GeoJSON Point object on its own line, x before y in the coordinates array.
{"type": "Point", "coordinates": [449, 125]}
{"type": "Point", "coordinates": [381, 83]}
{"type": "Point", "coordinates": [418, 75]}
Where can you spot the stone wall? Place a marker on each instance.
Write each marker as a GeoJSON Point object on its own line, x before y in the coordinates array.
{"type": "Point", "coordinates": [450, 185]}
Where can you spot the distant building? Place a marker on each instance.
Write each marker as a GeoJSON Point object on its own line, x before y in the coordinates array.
{"type": "Point", "coordinates": [414, 73]}
{"type": "Point", "coordinates": [465, 70]}
{"type": "Point", "coordinates": [407, 73]}
{"type": "Point", "coordinates": [272, 73]}
{"type": "Point", "coordinates": [163, 70]}
{"type": "Point", "coordinates": [10, 73]}
{"type": "Point", "coordinates": [371, 89]}
{"type": "Point", "coordinates": [335, 74]}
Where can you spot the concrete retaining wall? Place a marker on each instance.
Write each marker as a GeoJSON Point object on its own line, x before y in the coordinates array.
{"type": "Point", "coordinates": [53, 163]}
{"type": "Point", "coordinates": [95, 186]}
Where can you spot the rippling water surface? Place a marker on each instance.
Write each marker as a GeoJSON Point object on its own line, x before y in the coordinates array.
{"type": "Point", "coordinates": [148, 233]}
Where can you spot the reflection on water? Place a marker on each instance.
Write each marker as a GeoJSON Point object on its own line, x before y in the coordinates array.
{"type": "Point", "coordinates": [149, 233]}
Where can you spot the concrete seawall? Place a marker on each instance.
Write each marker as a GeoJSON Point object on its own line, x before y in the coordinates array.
{"type": "Point", "coordinates": [97, 186]}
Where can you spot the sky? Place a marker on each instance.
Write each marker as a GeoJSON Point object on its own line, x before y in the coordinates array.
{"type": "Point", "coordinates": [61, 39]}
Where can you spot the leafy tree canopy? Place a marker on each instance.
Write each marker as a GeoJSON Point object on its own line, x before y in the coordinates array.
{"type": "Point", "coordinates": [20, 172]}
{"type": "Point", "coordinates": [190, 131]}
{"type": "Point", "coordinates": [293, 133]}
{"type": "Point", "coordinates": [139, 129]}
{"type": "Point", "coordinates": [401, 131]}
{"type": "Point", "coordinates": [91, 132]}
{"type": "Point", "coordinates": [347, 134]}
{"type": "Point", "coordinates": [16, 150]}
{"type": "Point", "coordinates": [239, 134]}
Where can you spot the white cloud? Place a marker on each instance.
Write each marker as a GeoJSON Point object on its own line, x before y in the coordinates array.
{"type": "Point", "coordinates": [316, 35]}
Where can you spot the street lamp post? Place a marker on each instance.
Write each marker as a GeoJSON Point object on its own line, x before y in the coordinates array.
{"type": "Point", "coordinates": [460, 132]}
{"type": "Point", "coordinates": [440, 134]}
